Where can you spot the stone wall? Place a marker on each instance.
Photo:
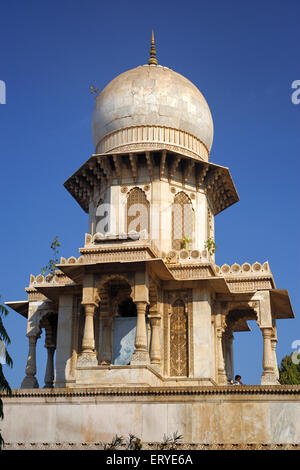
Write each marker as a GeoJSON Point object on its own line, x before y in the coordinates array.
{"type": "Point", "coordinates": [237, 416]}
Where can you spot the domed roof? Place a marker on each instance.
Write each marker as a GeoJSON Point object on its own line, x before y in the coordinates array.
{"type": "Point", "coordinates": [149, 107]}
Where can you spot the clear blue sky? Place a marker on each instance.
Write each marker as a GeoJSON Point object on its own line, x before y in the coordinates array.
{"type": "Point", "coordinates": [243, 56]}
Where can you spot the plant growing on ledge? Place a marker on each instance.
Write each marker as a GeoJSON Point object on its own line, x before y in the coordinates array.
{"type": "Point", "coordinates": [51, 266]}
{"type": "Point", "coordinates": [185, 242]}
{"type": "Point", "coordinates": [210, 246]}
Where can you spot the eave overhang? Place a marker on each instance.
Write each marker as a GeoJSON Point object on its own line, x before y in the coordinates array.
{"type": "Point", "coordinates": [281, 304]}
{"type": "Point", "coordinates": [76, 272]}
{"type": "Point", "coordinates": [20, 307]}
{"type": "Point", "coordinates": [53, 292]}
{"type": "Point", "coordinates": [102, 170]}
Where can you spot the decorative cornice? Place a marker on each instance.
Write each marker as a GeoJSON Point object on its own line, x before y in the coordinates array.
{"type": "Point", "coordinates": [157, 391]}
{"type": "Point", "coordinates": [137, 138]}
{"type": "Point", "coordinates": [245, 269]}
{"type": "Point", "coordinates": [247, 277]}
{"type": "Point", "coordinates": [59, 278]}
{"type": "Point", "coordinates": [102, 170]}
{"type": "Point", "coordinates": [187, 257]}
{"type": "Point", "coordinates": [192, 271]}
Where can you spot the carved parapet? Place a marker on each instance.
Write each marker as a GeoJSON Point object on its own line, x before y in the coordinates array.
{"type": "Point", "coordinates": [34, 295]}
{"type": "Point", "coordinates": [187, 256]}
{"type": "Point", "coordinates": [247, 277]}
{"type": "Point", "coordinates": [98, 238]}
{"type": "Point", "coordinates": [110, 251]}
{"type": "Point", "coordinates": [244, 269]}
{"type": "Point", "coordinates": [115, 254]}
{"type": "Point", "coordinates": [59, 278]}
{"type": "Point", "coordinates": [72, 260]}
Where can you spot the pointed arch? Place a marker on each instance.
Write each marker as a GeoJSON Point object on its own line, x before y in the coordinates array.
{"type": "Point", "coordinates": [182, 219]}
{"type": "Point", "coordinates": [138, 212]}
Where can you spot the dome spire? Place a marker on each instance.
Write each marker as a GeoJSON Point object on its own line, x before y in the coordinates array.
{"type": "Point", "coordinates": [152, 60]}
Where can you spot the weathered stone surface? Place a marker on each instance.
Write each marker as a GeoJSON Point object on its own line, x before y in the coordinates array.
{"type": "Point", "coordinates": [203, 416]}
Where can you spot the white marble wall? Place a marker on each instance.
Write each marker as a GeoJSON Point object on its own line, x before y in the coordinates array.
{"type": "Point", "coordinates": [64, 341]}
{"type": "Point", "coordinates": [203, 419]}
{"type": "Point", "coordinates": [202, 334]}
{"type": "Point", "coordinates": [160, 197]}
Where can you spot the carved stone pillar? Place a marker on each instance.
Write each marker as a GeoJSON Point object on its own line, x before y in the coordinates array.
{"type": "Point", "coordinates": [49, 374]}
{"type": "Point", "coordinates": [88, 355]}
{"type": "Point", "coordinates": [222, 379]}
{"type": "Point", "coordinates": [30, 381]}
{"type": "Point", "coordinates": [274, 341]}
{"type": "Point", "coordinates": [155, 352]}
{"type": "Point", "coordinates": [49, 322]}
{"type": "Point", "coordinates": [268, 376]}
{"type": "Point", "coordinates": [140, 355]}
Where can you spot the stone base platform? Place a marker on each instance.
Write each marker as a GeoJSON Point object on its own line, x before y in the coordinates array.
{"type": "Point", "coordinates": [228, 417]}
{"type": "Point", "coordinates": [133, 375]}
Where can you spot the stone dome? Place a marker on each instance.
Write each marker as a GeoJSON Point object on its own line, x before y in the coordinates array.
{"type": "Point", "coordinates": [150, 107]}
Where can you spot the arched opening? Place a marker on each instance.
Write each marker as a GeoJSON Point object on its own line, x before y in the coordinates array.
{"type": "Point", "coordinates": [127, 308]}
{"type": "Point", "coordinates": [248, 354]}
{"type": "Point", "coordinates": [117, 322]}
{"type": "Point", "coordinates": [138, 212]}
{"type": "Point", "coordinates": [182, 220]}
{"type": "Point", "coordinates": [243, 352]}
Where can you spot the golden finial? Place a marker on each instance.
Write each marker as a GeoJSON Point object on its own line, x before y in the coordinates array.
{"type": "Point", "coordinates": [152, 60]}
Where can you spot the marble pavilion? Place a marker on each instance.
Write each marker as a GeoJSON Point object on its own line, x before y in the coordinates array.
{"type": "Point", "coordinates": [145, 303]}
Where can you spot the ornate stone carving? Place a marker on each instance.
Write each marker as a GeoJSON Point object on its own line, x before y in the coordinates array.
{"type": "Point", "coordinates": [87, 358]}
{"type": "Point", "coordinates": [178, 303]}
{"type": "Point", "coordinates": [178, 340]}
{"type": "Point", "coordinates": [141, 354]}
{"type": "Point", "coordinates": [150, 137]}
{"type": "Point", "coordinates": [138, 219]}
{"type": "Point", "coordinates": [190, 271]}
{"type": "Point", "coordinates": [182, 220]}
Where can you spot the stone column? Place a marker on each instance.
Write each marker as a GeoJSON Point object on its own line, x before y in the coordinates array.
{"type": "Point", "coordinates": [140, 355]}
{"type": "Point", "coordinates": [88, 355]}
{"type": "Point", "coordinates": [155, 352]}
{"type": "Point", "coordinates": [30, 381]}
{"type": "Point", "coordinates": [268, 376]}
{"type": "Point", "coordinates": [49, 322]}
{"type": "Point", "coordinates": [222, 379]}
{"type": "Point", "coordinates": [274, 341]}
{"type": "Point", "coordinates": [49, 374]}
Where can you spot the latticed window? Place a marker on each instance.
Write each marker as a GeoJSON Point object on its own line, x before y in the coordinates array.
{"type": "Point", "coordinates": [137, 211]}
{"type": "Point", "coordinates": [178, 340]}
{"type": "Point", "coordinates": [182, 220]}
